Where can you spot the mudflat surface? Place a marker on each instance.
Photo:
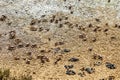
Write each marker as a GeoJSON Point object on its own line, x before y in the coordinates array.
{"type": "Point", "coordinates": [43, 38]}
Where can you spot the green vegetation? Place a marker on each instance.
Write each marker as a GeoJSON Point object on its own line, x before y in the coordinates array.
{"type": "Point", "coordinates": [5, 75]}
{"type": "Point", "coordinates": [26, 77]}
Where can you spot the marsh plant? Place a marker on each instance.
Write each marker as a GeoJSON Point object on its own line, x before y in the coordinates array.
{"type": "Point", "coordinates": [5, 75]}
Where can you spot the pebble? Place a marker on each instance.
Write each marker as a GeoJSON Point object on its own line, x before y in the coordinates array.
{"type": "Point", "coordinates": [57, 60]}
{"type": "Point", "coordinates": [89, 70]}
{"type": "Point", "coordinates": [43, 59]}
{"type": "Point", "coordinates": [70, 72]}
{"type": "Point", "coordinates": [97, 57]}
{"type": "Point", "coordinates": [56, 50]}
{"type": "Point", "coordinates": [110, 65]}
{"type": "Point", "coordinates": [109, 1]}
{"type": "Point", "coordinates": [42, 51]}
{"type": "Point", "coordinates": [96, 29]}
{"type": "Point", "coordinates": [44, 20]}
{"type": "Point", "coordinates": [68, 66]}
{"type": "Point", "coordinates": [102, 79]}
{"type": "Point", "coordinates": [51, 21]}
{"type": "Point", "coordinates": [17, 41]}
{"type": "Point", "coordinates": [73, 59]}
{"type": "Point", "coordinates": [105, 30]}
{"type": "Point", "coordinates": [56, 21]}
{"type": "Point", "coordinates": [82, 36]}
{"type": "Point", "coordinates": [34, 72]}
{"type": "Point", "coordinates": [90, 25]}
{"type": "Point", "coordinates": [27, 44]}
{"type": "Point", "coordinates": [16, 58]}
{"type": "Point", "coordinates": [59, 43]}
{"type": "Point", "coordinates": [67, 50]}
{"type": "Point", "coordinates": [40, 29]}
{"type": "Point", "coordinates": [34, 46]}
{"type": "Point", "coordinates": [111, 78]}
{"type": "Point", "coordinates": [82, 74]}
{"type": "Point", "coordinates": [30, 58]}
{"type": "Point", "coordinates": [64, 0]}
{"type": "Point", "coordinates": [97, 63]}
{"type": "Point", "coordinates": [3, 18]}
{"type": "Point", "coordinates": [116, 25]}
{"type": "Point", "coordinates": [71, 12]}
{"type": "Point", "coordinates": [11, 48]}
{"type": "Point", "coordinates": [94, 40]}
{"type": "Point", "coordinates": [98, 20]}
{"type": "Point", "coordinates": [90, 49]}
{"type": "Point", "coordinates": [33, 22]}
{"type": "Point", "coordinates": [12, 34]}
{"type": "Point", "coordinates": [43, 16]}
{"type": "Point", "coordinates": [20, 45]}
{"type": "Point", "coordinates": [113, 38]}
{"type": "Point", "coordinates": [29, 53]}
{"type": "Point", "coordinates": [0, 48]}
{"type": "Point", "coordinates": [32, 28]}
{"type": "Point", "coordinates": [28, 62]}
{"type": "Point", "coordinates": [84, 39]}
{"type": "Point", "coordinates": [60, 26]}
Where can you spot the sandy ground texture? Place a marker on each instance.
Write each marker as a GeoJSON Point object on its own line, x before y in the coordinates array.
{"type": "Point", "coordinates": [61, 39]}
